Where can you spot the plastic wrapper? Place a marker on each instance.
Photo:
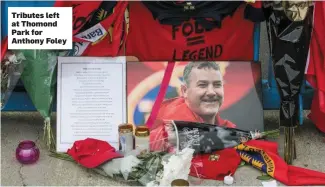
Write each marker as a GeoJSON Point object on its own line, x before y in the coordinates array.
{"type": "Point", "coordinates": [289, 44]}
{"type": "Point", "coordinates": [156, 168]}
{"type": "Point", "coordinates": [39, 79]}
{"type": "Point", "coordinates": [11, 70]}
{"type": "Point", "coordinates": [202, 137]}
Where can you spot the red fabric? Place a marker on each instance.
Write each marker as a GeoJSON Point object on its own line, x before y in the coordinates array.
{"type": "Point", "coordinates": [203, 166]}
{"type": "Point", "coordinates": [315, 72]}
{"type": "Point", "coordinates": [215, 165]}
{"type": "Point", "coordinates": [81, 12]}
{"type": "Point", "coordinates": [177, 109]}
{"type": "Point", "coordinates": [110, 43]}
{"type": "Point", "coordinates": [158, 137]}
{"type": "Point", "coordinates": [317, 116]}
{"type": "Point", "coordinates": [161, 95]}
{"type": "Point", "coordinates": [148, 40]}
{"type": "Point", "coordinates": [4, 47]}
{"type": "Point", "coordinates": [278, 169]}
{"type": "Point", "coordinates": [90, 153]}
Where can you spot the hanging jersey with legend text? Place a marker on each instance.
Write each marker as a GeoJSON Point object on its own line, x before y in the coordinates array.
{"type": "Point", "coordinates": [149, 39]}
{"type": "Point", "coordinates": [99, 27]}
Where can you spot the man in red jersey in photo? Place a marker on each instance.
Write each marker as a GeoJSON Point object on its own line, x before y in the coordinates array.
{"type": "Point", "coordinates": [202, 96]}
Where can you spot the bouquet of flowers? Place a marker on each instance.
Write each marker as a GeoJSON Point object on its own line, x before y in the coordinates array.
{"type": "Point", "coordinates": [150, 169]}
{"type": "Point", "coordinates": [11, 70]}
{"type": "Point", "coordinates": [158, 168]}
{"type": "Point", "coordinates": [39, 79]}
{"type": "Point", "coordinates": [161, 168]}
{"type": "Point", "coordinates": [202, 137]}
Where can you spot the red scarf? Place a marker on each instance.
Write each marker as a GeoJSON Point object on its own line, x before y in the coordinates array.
{"type": "Point", "coordinates": [270, 162]}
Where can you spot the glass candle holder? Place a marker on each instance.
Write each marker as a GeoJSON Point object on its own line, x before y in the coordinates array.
{"type": "Point", "coordinates": [27, 152]}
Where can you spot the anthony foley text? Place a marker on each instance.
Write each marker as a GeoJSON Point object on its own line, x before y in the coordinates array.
{"type": "Point", "coordinates": [39, 41]}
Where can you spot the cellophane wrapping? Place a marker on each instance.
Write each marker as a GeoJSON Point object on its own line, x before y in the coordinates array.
{"type": "Point", "coordinates": [12, 67]}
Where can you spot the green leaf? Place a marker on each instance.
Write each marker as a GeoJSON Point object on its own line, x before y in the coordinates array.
{"type": "Point", "coordinates": [264, 177]}
{"type": "Point", "coordinates": [242, 163]}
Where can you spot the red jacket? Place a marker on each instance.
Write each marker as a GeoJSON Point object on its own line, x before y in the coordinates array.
{"type": "Point", "coordinates": [177, 109]}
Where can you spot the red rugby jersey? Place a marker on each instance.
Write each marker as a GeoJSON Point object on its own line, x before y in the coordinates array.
{"type": "Point", "coordinates": [105, 35]}
{"type": "Point", "coordinates": [149, 40]}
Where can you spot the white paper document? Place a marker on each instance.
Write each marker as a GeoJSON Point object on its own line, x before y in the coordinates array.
{"type": "Point", "coordinates": [91, 99]}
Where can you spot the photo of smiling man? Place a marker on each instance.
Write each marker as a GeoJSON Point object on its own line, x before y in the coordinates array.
{"type": "Point", "coordinates": [202, 96]}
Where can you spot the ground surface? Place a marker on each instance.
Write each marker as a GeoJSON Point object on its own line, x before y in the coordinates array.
{"type": "Point", "coordinates": [50, 171]}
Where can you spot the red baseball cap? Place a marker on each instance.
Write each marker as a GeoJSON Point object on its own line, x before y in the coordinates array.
{"type": "Point", "coordinates": [90, 153]}
{"type": "Point", "coordinates": [215, 165]}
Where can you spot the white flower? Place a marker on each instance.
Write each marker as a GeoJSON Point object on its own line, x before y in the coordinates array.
{"type": "Point", "coordinates": [127, 163]}
{"type": "Point", "coordinates": [177, 167]}
{"type": "Point", "coordinates": [112, 167]}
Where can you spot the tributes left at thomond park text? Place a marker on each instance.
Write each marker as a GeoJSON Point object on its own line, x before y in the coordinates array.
{"type": "Point", "coordinates": [43, 28]}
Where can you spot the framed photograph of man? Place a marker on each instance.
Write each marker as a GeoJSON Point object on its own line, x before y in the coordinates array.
{"type": "Point", "coordinates": [220, 93]}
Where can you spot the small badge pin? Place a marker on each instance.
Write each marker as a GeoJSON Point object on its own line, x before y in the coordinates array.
{"type": "Point", "coordinates": [214, 157]}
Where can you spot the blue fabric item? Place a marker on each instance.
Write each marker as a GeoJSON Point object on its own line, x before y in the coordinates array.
{"type": "Point", "coordinates": [6, 4]}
